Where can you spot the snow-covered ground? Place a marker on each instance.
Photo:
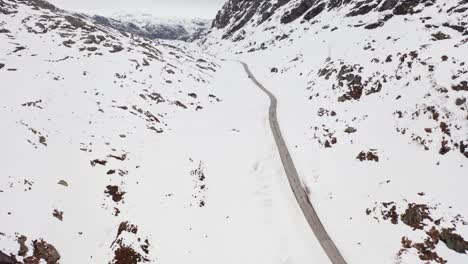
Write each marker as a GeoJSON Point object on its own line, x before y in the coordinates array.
{"type": "Point", "coordinates": [118, 148]}
{"type": "Point", "coordinates": [409, 106]}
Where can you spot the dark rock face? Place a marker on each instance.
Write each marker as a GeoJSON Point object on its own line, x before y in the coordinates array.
{"type": "Point", "coordinates": [297, 11]}
{"type": "Point", "coordinates": [45, 251]}
{"type": "Point", "coordinates": [232, 11]}
{"type": "Point", "coordinates": [235, 14]}
{"type": "Point", "coordinates": [315, 11]}
{"type": "Point", "coordinates": [5, 259]}
{"type": "Point", "coordinates": [43, 4]}
{"type": "Point", "coordinates": [388, 5]}
{"type": "Point", "coordinates": [363, 9]}
{"type": "Point", "coordinates": [454, 241]}
{"type": "Point", "coordinates": [407, 7]}
{"type": "Point", "coordinates": [460, 101]}
{"type": "Point", "coordinates": [237, 11]}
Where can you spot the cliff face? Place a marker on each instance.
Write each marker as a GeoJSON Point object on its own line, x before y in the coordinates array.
{"type": "Point", "coordinates": [236, 14]}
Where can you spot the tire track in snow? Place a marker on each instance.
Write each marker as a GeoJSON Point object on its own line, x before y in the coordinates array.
{"type": "Point", "coordinates": [307, 208]}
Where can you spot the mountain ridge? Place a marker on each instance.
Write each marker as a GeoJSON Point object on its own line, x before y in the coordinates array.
{"type": "Point", "coordinates": [148, 26]}
{"type": "Point", "coordinates": [236, 14]}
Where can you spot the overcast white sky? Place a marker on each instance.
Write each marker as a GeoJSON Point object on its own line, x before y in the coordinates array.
{"type": "Point", "coordinates": [168, 8]}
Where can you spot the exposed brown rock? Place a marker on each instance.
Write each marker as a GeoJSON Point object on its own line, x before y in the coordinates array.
{"type": "Point", "coordinates": [115, 192]}
{"type": "Point", "coordinates": [23, 250]}
{"type": "Point", "coordinates": [126, 255]}
{"type": "Point", "coordinates": [46, 252]}
{"type": "Point", "coordinates": [415, 215]}
{"type": "Point", "coordinates": [453, 241]}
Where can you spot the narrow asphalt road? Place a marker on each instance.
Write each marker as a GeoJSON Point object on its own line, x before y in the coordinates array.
{"type": "Point", "coordinates": [309, 212]}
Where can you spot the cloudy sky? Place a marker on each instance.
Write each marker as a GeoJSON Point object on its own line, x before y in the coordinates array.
{"type": "Point", "coordinates": [167, 8]}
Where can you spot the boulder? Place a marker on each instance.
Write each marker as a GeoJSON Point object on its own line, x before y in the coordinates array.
{"type": "Point", "coordinates": [453, 241]}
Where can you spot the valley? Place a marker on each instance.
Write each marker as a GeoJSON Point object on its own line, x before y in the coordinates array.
{"type": "Point", "coordinates": [290, 132]}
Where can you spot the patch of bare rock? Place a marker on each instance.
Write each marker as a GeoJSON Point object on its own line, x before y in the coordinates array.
{"type": "Point", "coordinates": [418, 218]}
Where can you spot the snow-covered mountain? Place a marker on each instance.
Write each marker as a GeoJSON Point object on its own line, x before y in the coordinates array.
{"type": "Point", "coordinates": [119, 147]}
{"type": "Point", "coordinates": [373, 102]}
{"type": "Point", "coordinates": [151, 27]}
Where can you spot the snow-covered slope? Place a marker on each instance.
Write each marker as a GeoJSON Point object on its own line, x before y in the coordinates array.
{"type": "Point", "coordinates": [118, 149]}
{"type": "Point", "coordinates": [373, 104]}
{"type": "Point", "coordinates": [148, 26]}
{"type": "Point", "coordinates": [122, 149]}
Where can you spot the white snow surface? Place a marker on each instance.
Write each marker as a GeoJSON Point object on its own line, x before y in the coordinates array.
{"type": "Point", "coordinates": [189, 147]}
{"type": "Point", "coordinates": [308, 62]}
{"type": "Point", "coordinates": [184, 136]}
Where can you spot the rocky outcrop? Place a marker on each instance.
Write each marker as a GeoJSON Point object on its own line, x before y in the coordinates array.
{"type": "Point", "coordinates": [453, 241]}
{"type": "Point", "coordinates": [297, 11]}
{"type": "Point", "coordinates": [236, 14]}
{"type": "Point", "coordinates": [5, 259]}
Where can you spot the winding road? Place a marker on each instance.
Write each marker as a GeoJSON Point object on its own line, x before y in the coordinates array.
{"type": "Point", "coordinates": [302, 198]}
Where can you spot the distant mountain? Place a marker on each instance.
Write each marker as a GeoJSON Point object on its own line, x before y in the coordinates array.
{"type": "Point", "coordinates": [151, 27]}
